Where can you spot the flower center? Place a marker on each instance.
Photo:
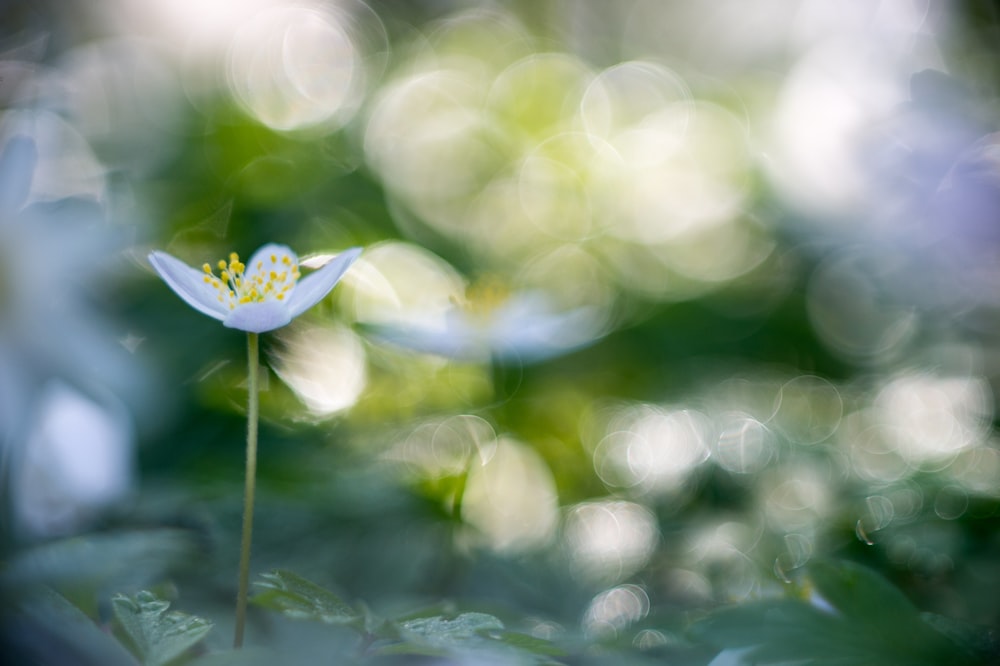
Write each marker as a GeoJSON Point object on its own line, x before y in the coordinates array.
{"type": "Point", "coordinates": [484, 296]}
{"type": "Point", "coordinates": [266, 281]}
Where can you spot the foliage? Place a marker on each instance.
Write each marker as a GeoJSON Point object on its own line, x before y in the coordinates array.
{"type": "Point", "coordinates": [465, 634]}
{"type": "Point", "coordinates": [671, 338]}
{"type": "Point", "coordinates": [157, 636]}
{"type": "Point", "coordinates": [851, 617]}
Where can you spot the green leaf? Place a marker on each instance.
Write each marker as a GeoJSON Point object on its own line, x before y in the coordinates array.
{"type": "Point", "coordinates": [975, 640]}
{"type": "Point", "coordinates": [440, 636]}
{"type": "Point", "coordinates": [530, 643]}
{"type": "Point", "coordinates": [103, 561]}
{"type": "Point", "coordinates": [301, 599]}
{"type": "Point", "coordinates": [157, 635]}
{"type": "Point", "coordinates": [861, 620]}
{"type": "Point", "coordinates": [862, 594]}
{"type": "Point", "coordinates": [44, 628]}
{"type": "Point", "coordinates": [443, 632]}
{"type": "Point", "coordinates": [779, 630]}
{"type": "Point", "coordinates": [427, 633]}
{"type": "Point", "coordinates": [868, 600]}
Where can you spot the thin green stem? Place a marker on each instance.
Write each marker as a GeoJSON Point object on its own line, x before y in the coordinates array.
{"type": "Point", "coordinates": [463, 479]}
{"type": "Point", "coordinates": [251, 474]}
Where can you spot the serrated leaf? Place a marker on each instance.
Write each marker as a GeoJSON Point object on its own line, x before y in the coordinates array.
{"type": "Point", "coordinates": [443, 608]}
{"type": "Point", "coordinates": [301, 599]}
{"type": "Point", "coordinates": [158, 636]}
{"type": "Point", "coordinates": [440, 636]}
{"type": "Point", "coordinates": [440, 630]}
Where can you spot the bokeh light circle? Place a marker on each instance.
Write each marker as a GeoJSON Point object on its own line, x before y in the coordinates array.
{"type": "Point", "coordinates": [295, 67]}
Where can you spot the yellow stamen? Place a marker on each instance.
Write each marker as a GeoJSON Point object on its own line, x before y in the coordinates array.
{"type": "Point", "coordinates": [484, 296]}
{"type": "Point", "coordinates": [236, 288]}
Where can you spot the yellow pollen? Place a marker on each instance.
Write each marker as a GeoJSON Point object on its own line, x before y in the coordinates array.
{"type": "Point", "coordinates": [484, 296]}
{"type": "Point", "coordinates": [234, 287]}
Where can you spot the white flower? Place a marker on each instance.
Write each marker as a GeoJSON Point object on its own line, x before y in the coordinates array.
{"type": "Point", "coordinates": [66, 440]}
{"type": "Point", "coordinates": [53, 255]}
{"type": "Point", "coordinates": [78, 460]}
{"type": "Point", "coordinates": [261, 295]}
{"type": "Point", "coordinates": [522, 327]}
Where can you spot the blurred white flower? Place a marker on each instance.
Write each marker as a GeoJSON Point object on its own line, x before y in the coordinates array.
{"type": "Point", "coordinates": [522, 326]}
{"type": "Point", "coordinates": [324, 367]}
{"type": "Point", "coordinates": [78, 460]}
{"type": "Point", "coordinates": [51, 254]}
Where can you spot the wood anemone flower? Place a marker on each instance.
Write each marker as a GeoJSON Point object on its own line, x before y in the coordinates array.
{"type": "Point", "coordinates": [517, 327]}
{"type": "Point", "coordinates": [264, 294]}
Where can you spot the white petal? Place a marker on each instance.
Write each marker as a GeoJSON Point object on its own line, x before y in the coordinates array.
{"type": "Point", "coordinates": [460, 338]}
{"type": "Point", "coordinates": [258, 317]}
{"type": "Point", "coordinates": [17, 166]}
{"type": "Point", "coordinates": [189, 284]}
{"type": "Point", "coordinates": [269, 258]}
{"type": "Point", "coordinates": [78, 459]}
{"type": "Point", "coordinates": [525, 329]}
{"type": "Point", "coordinates": [313, 287]}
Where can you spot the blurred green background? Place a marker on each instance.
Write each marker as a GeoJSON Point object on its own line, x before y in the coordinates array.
{"type": "Point", "coordinates": [756, 244]}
